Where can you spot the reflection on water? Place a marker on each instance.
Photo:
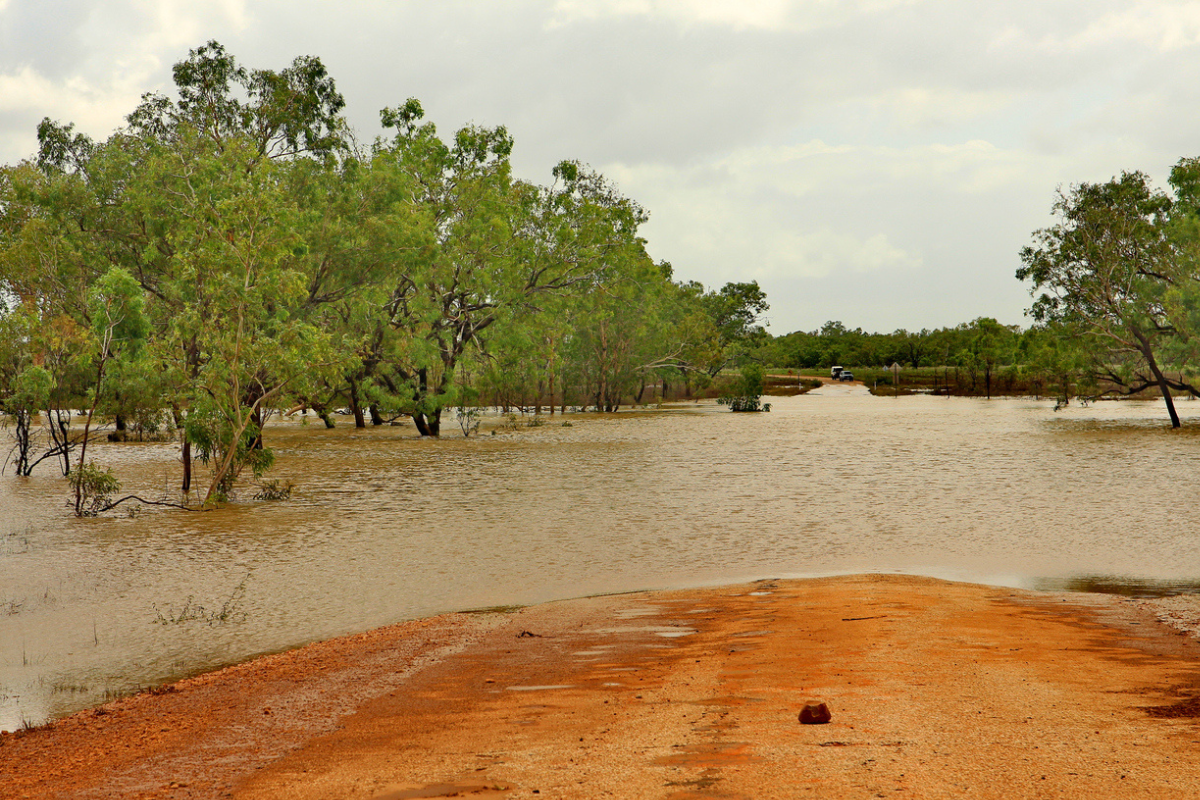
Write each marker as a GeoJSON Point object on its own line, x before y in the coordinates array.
{"type": "Point", "coordinates": [1125, 587]}
{"type": "Point", "coordinates": [385, 526]}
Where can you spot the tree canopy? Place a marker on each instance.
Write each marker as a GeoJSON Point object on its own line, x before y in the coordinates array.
{"type": "Point", "coordinates": [233, 251]}
{"type": "Point", "coordinates": [1116, 269]}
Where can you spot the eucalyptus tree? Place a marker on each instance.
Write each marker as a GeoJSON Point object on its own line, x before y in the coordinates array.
{"type": "Point", "coordinates": [489, 246]}
{"type": "Point", "coordinates": [45, 274]}
{"type": "Point", "coordinates": [1055, 358]}
{"type": "Point", "coordinates": [700, 350]}
{"type": "Point", "coordinates": [1182, 298]}
{"type": "Point", "coordinates": [190, 200]}
{"type": "Point", "coordinates": [735, 310]}
{"type": "Point", "coordinates": [119, 328]}
{"type": "Point", "coordinates": [237, 286]}
{"type": "Point", "coordinates": [25, 389]}
{"type": "Point", "coordinates": [632, 325]}
{"type": "Point", "coordinates": [1107, 268]}
{"type": "Point", "coordinates": [989, 345]}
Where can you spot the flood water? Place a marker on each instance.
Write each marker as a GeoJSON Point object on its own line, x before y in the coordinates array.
{"type": "Point", "coordinates": [386, 527]}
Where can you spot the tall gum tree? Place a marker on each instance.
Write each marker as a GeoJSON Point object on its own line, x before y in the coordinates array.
{"type": "Point", "coordinates": [238, 285]}
{"type": "Point", "coordinates": [1182, 298]}
{"type": "Point", "coordinates": [492, 245]}
{"type": "Point", "coordinates": [189, 198]}
{"type": "Point", "coordinates": [1106, 268]}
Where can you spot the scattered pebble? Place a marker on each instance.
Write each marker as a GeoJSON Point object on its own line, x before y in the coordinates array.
{"type": "Point", "coordinates": [815, 713]}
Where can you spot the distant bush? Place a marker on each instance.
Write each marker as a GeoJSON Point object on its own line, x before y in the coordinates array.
{"type": "Point", "coordinates": [746, 391]}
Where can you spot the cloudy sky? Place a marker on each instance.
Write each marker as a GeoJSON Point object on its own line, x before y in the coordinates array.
{"type": "Point", "coordinates": [878, 162]}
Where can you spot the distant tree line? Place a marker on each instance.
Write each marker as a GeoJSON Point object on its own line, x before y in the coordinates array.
{"type": "Point", "coordinates": [1116, 288]}
{"type": "Point", "coordinates": [981, 357]}
{"type": "Point", "coordinates": [234, 250]}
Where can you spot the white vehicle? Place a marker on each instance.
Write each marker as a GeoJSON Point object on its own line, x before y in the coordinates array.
{"type": "Point", "coordinates": [835, 372]}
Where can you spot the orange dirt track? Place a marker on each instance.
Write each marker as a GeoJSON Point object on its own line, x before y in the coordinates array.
{"type": "Point", "coordinates": [938, 690]}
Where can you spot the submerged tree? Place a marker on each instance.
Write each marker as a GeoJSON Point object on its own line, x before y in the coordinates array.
{"type": "Point", "coordinates": [268, 262]}
{"type": "Point", "coordinates": [1106, 268]}
{"type": "Point", "coordinates": [746, 392]}
{"type": "Point", "coordinates": [492, 249]}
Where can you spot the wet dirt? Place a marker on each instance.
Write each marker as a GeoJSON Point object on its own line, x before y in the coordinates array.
{"type": "Point", "coordinates": [937, 690]}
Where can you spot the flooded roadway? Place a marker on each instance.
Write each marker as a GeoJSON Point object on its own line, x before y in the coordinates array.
{"type": "Point", "coordinates": [385, 526]}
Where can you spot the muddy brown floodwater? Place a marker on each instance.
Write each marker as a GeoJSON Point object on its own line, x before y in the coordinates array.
{"type": "Point", "coordinates": [385, 527]}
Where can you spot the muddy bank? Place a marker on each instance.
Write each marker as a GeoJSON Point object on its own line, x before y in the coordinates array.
{"type": "Point", "coordinates": [937, 690]}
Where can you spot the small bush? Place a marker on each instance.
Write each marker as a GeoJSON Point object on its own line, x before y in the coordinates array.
{"type": "Point", "coordinates": [230, 611]}
{"type": "Point", "coordinates": [274, 490]}
{"type": "Point", "coordinates": [746, 391]}
{"type": "Point", "coordinates": [95, 487]}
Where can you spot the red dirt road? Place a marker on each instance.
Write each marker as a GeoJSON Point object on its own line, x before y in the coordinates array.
{"type": "Point", "coordinates": [938, 690]}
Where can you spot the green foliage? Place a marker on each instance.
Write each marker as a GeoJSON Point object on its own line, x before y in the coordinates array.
{"type": "Point", "coordinates": [274, 490]}
{"type": "Point", "coordinates": [218, 442]}
{"type": "Point", "coordinates": [95, 488]}
{"type": "Point", "coordinates": [232, 250]}
{"type": "Point", "coordinates": [30, 390]}
{"type": "Point", "coordinates": [1113, 269]}
{"type": "Point", "coordinates": [746, 390]}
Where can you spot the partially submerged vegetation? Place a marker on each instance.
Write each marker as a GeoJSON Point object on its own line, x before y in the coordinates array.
{"type": "Point", "coordinates": [1116, 287]}
{"type": "Point", "coordinates": [745, 392]}
{"type": "Point", "coordinates": [230, 610]}
{"type": "Point", "coordinates": [234, 250]}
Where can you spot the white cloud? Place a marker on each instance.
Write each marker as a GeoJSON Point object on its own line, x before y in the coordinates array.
{"type": "Point", "coordinates": [100, 61]}
{"type": "Point", "coordinates": [923, 107]}
{"type": "Point", "coordinates": [95, 109]}
{"type": "Point", "coordinates": [819, 253]}
{"type": "Point", "coordinates": [819, 169]}
{"type": "Point", "coordinates": [24, 90]}
{"type": "Point", "coordinates": [179, 24]}
{"type": "Point", "coordinates": [740, 14]}
{"type": "Point", "coordinates": [1165, 26]}
{"type": "Point", "coordinates": [743, 14]}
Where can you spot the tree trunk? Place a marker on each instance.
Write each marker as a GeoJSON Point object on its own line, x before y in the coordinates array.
{"type": "Point", "coordinates": [24, 423]}
{"type": "Point", "coordinates": [1166, 390]}
{"type": "Point", "coordinates": [185, 454]}
{"type": "Point", "coordinates": [356, 406]}
{"type": "Point", "coordinates": [428, 424]}
{"type": "Point", "coordinates": [257, 419]}
{"type": "Point", "coordinates": [323, 413]}
{"type": "Point", "coordinates": [1148, 353]}
{"type": "Point", "coordinates": [186, 485]}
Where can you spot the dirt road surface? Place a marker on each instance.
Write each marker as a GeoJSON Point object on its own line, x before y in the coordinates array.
{"type": "Point", "coordinates": [937, 690]}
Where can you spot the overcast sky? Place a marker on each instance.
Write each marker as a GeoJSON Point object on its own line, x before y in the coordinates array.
{"type": "Point", "coordinates": [878, 162]}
